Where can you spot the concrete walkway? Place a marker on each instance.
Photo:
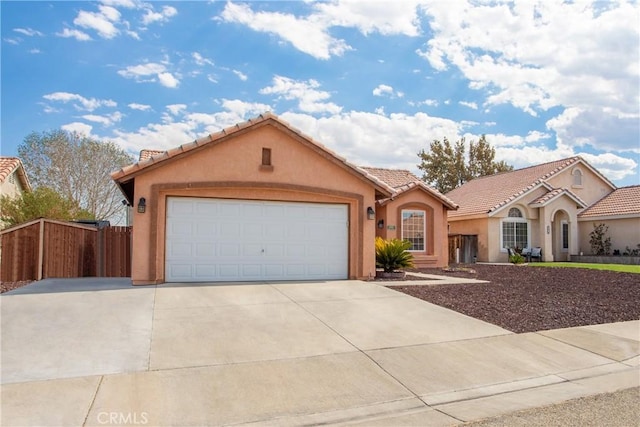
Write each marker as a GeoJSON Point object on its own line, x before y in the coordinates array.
{"type": "Point", "coordinates": [346, 352]}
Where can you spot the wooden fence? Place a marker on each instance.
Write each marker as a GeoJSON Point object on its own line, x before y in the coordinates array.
{"type": "Point", "coordinates": [46, 248]}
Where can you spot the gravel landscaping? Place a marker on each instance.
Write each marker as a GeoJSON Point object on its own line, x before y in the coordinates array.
{"type": "Point", "coordinates": [528, 299]}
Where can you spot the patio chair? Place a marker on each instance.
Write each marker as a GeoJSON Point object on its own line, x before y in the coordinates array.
{"type": "Point", "coordinates": [526, 252]}
{"type": "Point", "coordinates": [536, 253]}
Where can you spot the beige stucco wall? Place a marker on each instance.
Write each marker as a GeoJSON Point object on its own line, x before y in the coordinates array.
{"type": "Point", "coordinates": [232, 169]}
{"type": "Point", "coordinates": [11, 186]}
{"type": "Point", "coordinates": [593, 188]}
{"type": "Point", "coordinates": [435, 253]}
{"type": "Point", "coordinates": [623, 232]}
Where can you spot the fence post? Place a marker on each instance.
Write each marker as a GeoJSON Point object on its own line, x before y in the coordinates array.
{"type": "Point", "coordinates": [41, 249]}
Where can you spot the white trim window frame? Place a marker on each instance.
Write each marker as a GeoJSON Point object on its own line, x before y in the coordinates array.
{"type": "Point", "coordinates": [515, 235]}
{"type": "Point", "coordinates": [411, 230]}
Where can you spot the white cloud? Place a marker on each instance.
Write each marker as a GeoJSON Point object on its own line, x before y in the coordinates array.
{"type": "Point", "coordinates": [307, 35]}
{"type": "Point", "coordinates": [28, 32]}
{"type": "Point", "coordinates": [35, 51]}
{"type": "Point", "coordinates": [383, 90]}
{"type": "Point", "coordinates": [15, 41]}
{"type": "Point", "coordinates": [102, 22]}
{"type": "Point", "coordinates": [311, 34]}
{"type": "Point", "coordinates": [140, 107]}
{"type": "Point", "coordinates": [309, 99]}
{"type": "Point", "coordinates": [546, 55]}
{"type": "Point", "coordinates": [150, 72]}
{"type": "Point", "coordinates": [386, 18]}
{"type": "Point", "coordinates": [176, 109]}
{"type": "Point", "coordinates": [168, 80]}
{"type": "Point", "coordinates": [105, 120]}
{"type": "Point", "coordinates": [76, 34]}
{"type": "Point", "coordinates": [164, 15]}
{"type": "Point", "coordinates": [78, 127]}
{"type": "Point", "coordinates": [242, 76]}
{"type": "Point", "coordinates": [600, 128]}
{"type": "Point", "coordinates": [148, 69]}
{"type": "Point", "coordinates": [127, 4]}
{"type": "Point", "coordinates": [79, 101]}
{"type": "Point", "coordinates": [471, 105]}
{"type": "Point", "coordinates": [201, 60]}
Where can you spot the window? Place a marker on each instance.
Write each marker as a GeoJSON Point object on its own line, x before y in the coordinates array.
{"type": "Point", "coordinates": [565, 236]}
{"type": "Point", "coordinates": [266, 157]}
{"type": "Point", "coordinates": [413, 228]}
{"type": "Point", "coordinates": [515, 230]}
{"type": "Point", "coordinates": [577, 177]}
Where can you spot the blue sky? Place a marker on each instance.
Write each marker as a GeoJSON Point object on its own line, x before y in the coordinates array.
{"type": "Point", "coordinates": [375, 81]}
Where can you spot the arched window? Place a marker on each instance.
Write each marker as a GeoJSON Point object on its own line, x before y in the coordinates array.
{"type": "Point", "coordinates": [515, 213]}
{"type": "Point", "coordinates": [515, 230]}
{"type": "Point", "coordinates": [577, 177]}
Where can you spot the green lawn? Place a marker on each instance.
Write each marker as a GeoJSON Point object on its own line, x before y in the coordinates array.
{"type": "Point", "coordinates": [611, 267]}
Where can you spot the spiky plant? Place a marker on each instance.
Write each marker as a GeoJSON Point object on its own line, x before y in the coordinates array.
{"type": "Point", "coordinates": [393, 254]}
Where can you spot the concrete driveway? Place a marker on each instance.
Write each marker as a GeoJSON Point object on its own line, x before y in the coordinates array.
{"type": "Point", "coordinates": [100, 352]}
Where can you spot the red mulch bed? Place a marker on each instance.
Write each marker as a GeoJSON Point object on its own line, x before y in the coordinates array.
{"type": "Point", "coordinates": [9, 286]}
{"type": "Point", "coordinates": [528, 299]}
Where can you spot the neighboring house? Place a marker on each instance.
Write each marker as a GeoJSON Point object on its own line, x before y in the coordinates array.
{"type": "Point", "coordinates": [620, 212]}
{"type": "Point", "coordinates": [545, 206]}
{"type": "Point", "coordinates": [261, 201]}
{"type": "Point", "coordinates": [13, 178]}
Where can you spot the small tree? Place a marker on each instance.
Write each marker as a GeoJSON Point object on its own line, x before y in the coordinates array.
{"type": "Point", "coordinates": [600, 243]}
{"type": "Point", "coordinates": [444, 165]}
{"type": "Point", "coordinates": [43, 202]}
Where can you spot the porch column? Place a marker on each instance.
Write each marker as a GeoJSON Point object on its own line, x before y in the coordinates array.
{"type": "Point", "coordinates": [546, 234]}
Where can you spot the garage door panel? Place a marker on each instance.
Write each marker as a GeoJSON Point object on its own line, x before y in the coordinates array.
{"type": "Point", "coordinates": [207, 250]}
{"type": "Point", "coordinates": [226, 240]}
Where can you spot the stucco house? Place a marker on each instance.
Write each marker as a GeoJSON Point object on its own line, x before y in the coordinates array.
{"type": "Point", "coordinates": [13, 178]}
{"type": "Point", "coordinates": [620, 212]}
{"type": "Point", "coordinates": [261, 201]}
{"type": "Point", "coordinates": [551, 206]}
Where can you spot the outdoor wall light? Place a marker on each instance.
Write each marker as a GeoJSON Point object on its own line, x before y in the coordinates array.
{"type": "Point", "coordinates": [381, 223]}
{"type": "Point", "coordinates": [142, 205]}
{"type": "Point", "coordinates": [371, 214]}
{"type": "Point", "coordinates": [548, 229]}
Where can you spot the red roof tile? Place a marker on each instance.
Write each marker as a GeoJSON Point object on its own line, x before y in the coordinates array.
{"type": "Point", "coordinates": [623, 201]}
{"type": "Point", "coordinates": [402, 181]}
{"type": "Point", "coordinates": [10, 164]}
{"type": "Point", "coordinates": [147, 154]}
{"type": "Point", "coordinates": [486, 194]}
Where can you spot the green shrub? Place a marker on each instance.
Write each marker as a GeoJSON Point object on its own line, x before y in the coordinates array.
{"type": "Point", "coordinates": [517, 258]}
{"type": "Point", "coordinates": [393, 254]}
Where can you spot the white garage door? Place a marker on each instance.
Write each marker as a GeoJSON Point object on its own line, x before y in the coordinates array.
{"type": "Point", "coordinates": [236, 240]}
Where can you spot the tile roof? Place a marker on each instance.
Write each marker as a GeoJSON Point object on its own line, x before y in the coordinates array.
{"type": "Point", "coordinates": [555, 193]}
{"type": "Point", "coordinates": [10, 164]}
{"type": "Point", "coordinates": [129, 172]}
{"type": "Point", "coordinates": [486, 194]}
{"type": "Point", "coordinates": [402, 181]}
{"type": "Point", "coordinates": [146, 154]}
{"type": "Point", "coordinates": [393, 177]}
{"type": "Point", "coordinates": [622, 201]}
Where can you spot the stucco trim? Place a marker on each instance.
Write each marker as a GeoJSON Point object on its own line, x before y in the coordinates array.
{"type": "Point", "coordinates": [161, 191]}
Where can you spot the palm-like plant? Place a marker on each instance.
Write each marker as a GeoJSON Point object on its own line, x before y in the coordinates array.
{"type": "Point", "coordinates": [393, 254]}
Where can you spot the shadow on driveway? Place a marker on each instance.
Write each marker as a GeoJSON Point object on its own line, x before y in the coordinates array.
{"type": "Point", "coordinates": [82, 284]}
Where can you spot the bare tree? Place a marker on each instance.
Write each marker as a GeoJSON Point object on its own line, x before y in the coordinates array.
{"type": "Point", "coordinates": [77, 167]}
